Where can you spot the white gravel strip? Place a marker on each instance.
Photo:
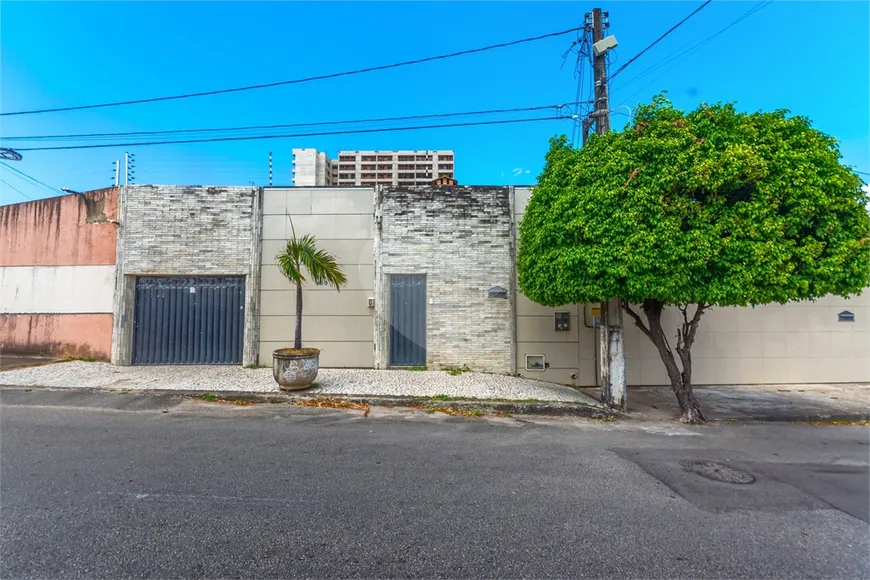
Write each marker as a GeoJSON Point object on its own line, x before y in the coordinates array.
{"type": "Point", "coordinates": [329, 381]}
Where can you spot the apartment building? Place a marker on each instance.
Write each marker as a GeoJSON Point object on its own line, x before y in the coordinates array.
{"type": "Point", "coordinates": [311, 168]}
{"type": "Point", "coordinates": [371, 168]}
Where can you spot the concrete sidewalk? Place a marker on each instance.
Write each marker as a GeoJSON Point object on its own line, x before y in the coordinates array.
{"type": "Point", "coordinates": [844, 402]}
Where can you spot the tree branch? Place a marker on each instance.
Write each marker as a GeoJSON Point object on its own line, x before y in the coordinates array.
{"type": "Point", "coordinates": [693, 325]}
{"type": "Point", "coordinates": [637, 319]}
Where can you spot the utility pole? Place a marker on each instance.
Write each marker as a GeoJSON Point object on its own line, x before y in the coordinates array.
{"type": "Point", "coordinates": [126, 166]}
{"type": "Point", "coordinates": [270, 169]}
{"type": "Point", "coordinates": [611, 338]}
{"type": "Point", "coordinates": [117, 171]}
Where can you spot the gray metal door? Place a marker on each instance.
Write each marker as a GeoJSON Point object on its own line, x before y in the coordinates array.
{"type": "Point", "coordinates": [189, 321]}
{"type": "Point", "coordinates": [407, 320]}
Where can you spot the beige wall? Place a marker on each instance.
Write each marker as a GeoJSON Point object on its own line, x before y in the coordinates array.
{"type": "Point", "coordinates": [794, 343]}
{"type": "Point", "coordinates": [338, 323]}
{"type": "Point", "coordinates": [570, 354]}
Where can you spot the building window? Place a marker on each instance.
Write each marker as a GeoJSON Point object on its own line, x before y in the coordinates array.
{"type": "Point", "coordinates": [406, 176]}
{"type": "Point", "coordinates": [367, 176]}
{"type": "Point", "coordinates": [406, 166]}
{"type": "Point", "coordinates": [368, 183]}
{"type": "Point", "coordinates": [385, 157]}
{"type": "Point", "coordinates": [368, 158]}
{"type": "Point", "coordinates": [424, 176]}
{"type": "Point", "coordinates": [445, 157]}
{"type": "Point", "coordinates": [347, 157]}
{"type": "Point", "coordinates": [367, 167]}
{"type": "Point", "coordinates": [424, 158]}
{"type": "Point", "coordinates": [445, 166]}
{"type": "Point", "coordinates": [406, 157]}
{"type": "Point", "coordinates": [345, 175]}
{"type": "Point", "coordinates": [385, 167]}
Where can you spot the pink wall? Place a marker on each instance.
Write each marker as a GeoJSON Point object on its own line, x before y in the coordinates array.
{"type": "Point", "coordinates": [59, 335]}
{"type": "Point", "coordinates": [68, 230]}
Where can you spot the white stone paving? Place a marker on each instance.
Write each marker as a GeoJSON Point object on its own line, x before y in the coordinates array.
{"type": "Point", "coordinates": [329, 382]}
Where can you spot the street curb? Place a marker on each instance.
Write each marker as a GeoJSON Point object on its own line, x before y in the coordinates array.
{"type": "Point", "coordinates": [483, 406]}
{"type": "Point", "coordinates": [136, 400]}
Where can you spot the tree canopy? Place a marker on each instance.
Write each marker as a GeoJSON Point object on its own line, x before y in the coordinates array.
{"type": "Point", "coordinates": [713, 206]}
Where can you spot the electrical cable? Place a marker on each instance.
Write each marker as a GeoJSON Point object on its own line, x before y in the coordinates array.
{"type": "Point", "coordinates": [32, 179]}
{"type": "Point", "coordinates": [283, 126]}
{"type": "Point", "coordinates": [15, 188]}
{"type": "Point", "coordinates": [659, 39]}
{"type": "Point", "coordinates": [296, 81]}
{"type": "Point", "coordinates": [679, 54]}
{"type": "Point", "coordinates": [320, 134]}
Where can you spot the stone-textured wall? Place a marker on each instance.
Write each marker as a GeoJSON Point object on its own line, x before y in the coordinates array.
{"type": "Point", "coordinates": [177, 230]}
{"type": "Point", "coordinates": [188, 231]}
{"type": "Point", "coordinates": [462, 239]}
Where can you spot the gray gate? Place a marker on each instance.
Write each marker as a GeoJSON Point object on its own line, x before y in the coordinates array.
{"type": "Point", "coordinates": [187, 321]}
{"type": "Point", "coordinates": [407, 320]}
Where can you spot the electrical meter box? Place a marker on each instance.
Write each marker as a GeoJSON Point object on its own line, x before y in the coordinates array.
{"type": "Point", "coordinates": [563, 320]}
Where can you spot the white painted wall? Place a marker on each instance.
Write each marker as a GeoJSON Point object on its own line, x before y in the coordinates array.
{"type": "Point", "coordinates": [56, 289]}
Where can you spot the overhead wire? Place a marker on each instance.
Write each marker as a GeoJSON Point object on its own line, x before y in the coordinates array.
{"type": "Point", "coordinates": [32, 179]}
{"type": "Point", "coordinates": [10, 186]}
{"type": "Point", "coordinates": [659, 39]}
{"type": "Point", "coordinates": [88, 136]}
{"type": "Point", "coordinates": [287, 136]}
{"type": "Point", "coordinates": [684, 53]}
{"type": "Point", "coordinates": [296, 81]}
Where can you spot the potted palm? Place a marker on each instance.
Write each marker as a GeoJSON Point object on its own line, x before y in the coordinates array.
{"type": "Point", "coordinates": [296, 368]}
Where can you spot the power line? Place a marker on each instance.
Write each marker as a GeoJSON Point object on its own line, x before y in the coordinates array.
{"type": "Point", "coordinates": [303, 80]}
{"type": "Point", "coordinates": [33, 179]}
{"type": "Point", "coordinates": [678, 54]}
{"type": "Point", "coordinates": [16, 189]}
{"type": "Point", "coordinates": [320, 134]}
{"type": "Point", "coordinates": [284, 126]}
{"type": "Point", "coordinates": [660, 38]}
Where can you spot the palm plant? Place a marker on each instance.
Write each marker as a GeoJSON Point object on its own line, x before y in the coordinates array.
{"type": "Point", "coordinates": [321, 266]}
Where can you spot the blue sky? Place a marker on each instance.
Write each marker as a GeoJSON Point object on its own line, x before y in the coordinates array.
{"type": "Point", "coordinates": [66, 53]}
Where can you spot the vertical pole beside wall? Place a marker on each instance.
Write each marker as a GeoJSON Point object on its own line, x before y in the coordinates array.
{"type": "Point", "coordinates": [612, 359]}
{"type": "Point", "coordinates": [270, 169]}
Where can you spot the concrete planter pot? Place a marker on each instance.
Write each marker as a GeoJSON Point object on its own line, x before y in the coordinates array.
{"type": "Point", "coordinates": [295, 369]}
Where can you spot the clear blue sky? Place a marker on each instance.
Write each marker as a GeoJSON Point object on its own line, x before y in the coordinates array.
{"type": "Point", "coordinates": [66, 53]}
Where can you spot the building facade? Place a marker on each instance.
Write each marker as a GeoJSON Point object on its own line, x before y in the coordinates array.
{"type": "Point", "coordinates": [431, 275]}
{"type": "Point", "coordinates": [371, 168]}
{"type": "Point", "coordinates": [449, 254]}
{"type": "Point", "coordinates": [57, 275]}
{"type": "Point", "coordinates": [311, 168]}
{"type": "Point", "coordinates": [187, 289]}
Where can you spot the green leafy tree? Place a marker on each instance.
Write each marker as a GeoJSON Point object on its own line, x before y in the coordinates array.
{"type": "Point", "coordinates": [694, 210]}
{"type": "Point", "coordinates": [300, 255]}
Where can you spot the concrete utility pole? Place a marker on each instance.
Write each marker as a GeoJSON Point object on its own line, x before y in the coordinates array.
{"type": "Point", "coordinates": [270, 169]}
{"type": "Point", "coordinates": [117, 171]}
{"type": "Point", "coordinates": [126, 167]}
{"type": "Point", "coordinates": [611, 339]}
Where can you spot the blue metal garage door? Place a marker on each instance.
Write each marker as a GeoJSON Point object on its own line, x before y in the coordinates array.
{"type": "Point", "coordinates": [407, 320]}
{"type": "Point", "coordinates": [188, 321]}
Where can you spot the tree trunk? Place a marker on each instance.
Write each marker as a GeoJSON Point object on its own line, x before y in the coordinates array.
{"type": "Point", "coordinates": [681, 380]}
{"type": "Point", "coordinates": [297, 343]}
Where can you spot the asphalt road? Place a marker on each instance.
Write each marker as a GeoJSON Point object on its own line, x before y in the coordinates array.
{"type": "Point", "coordinates": [213, 491]}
